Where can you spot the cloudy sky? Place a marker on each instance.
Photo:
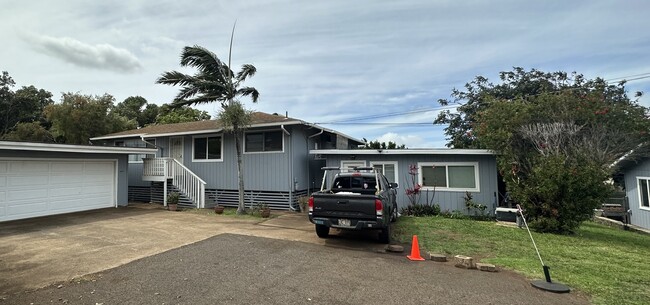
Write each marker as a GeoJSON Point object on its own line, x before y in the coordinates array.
{"type": "Point", "coordinates": [324, 61]}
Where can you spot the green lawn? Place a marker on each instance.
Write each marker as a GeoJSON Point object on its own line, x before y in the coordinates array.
{"type": "Point", "coordinates": [230, 212]}
{"type": "Point", "coordinates": [611, 265]}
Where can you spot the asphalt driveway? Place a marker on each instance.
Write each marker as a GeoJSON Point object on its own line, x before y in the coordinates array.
{"type": "Point", "coordinates": [237, 269]}
{"type": "Point", "coordinates": [132, 256]}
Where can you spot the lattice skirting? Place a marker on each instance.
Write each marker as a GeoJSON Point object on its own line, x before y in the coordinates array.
{"type": "Point", "coordinates": [229, 198]}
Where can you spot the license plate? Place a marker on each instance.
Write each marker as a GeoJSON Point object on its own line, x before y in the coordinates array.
{"type": "Point", "coordinates": [344, 222]}
{"type": "Point", "coordinates": [319, 222]}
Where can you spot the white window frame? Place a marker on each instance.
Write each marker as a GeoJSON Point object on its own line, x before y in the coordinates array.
{"type": "Point", "coordinates": [263, 152]}
{"type": "Point", "coordinates": [343, 162]}
{"type": "Point", "coordinates": [206, 147]}
{"type": "Point", "coordinates": [639, 192]}
{"type": "Point", "coordinates": [125, 144]}
{"type": "Point", "coordinates": [446, 164]}
{"type": "Point", "coordinates": [383, 163]}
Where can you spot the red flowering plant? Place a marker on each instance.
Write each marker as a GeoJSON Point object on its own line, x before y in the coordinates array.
{"type": "Point", "coordinates": [413, 191]}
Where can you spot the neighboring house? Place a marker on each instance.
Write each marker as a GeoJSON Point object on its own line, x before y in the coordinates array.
{"type": "Point", "coordinates": [199, 160]}
{"type": "Point", "coordinates": [636, 177]}
{"type": "Point", "coordinates": [38, 179]}
{"type": "Point", "coordinates": [445, 175]}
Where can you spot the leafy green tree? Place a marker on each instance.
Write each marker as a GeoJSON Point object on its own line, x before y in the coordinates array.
{"type": "Point", "coordinates": [23, 105]}
{"type": "Point", "coordinates": [214, 81]}
{"type": "Point", "coordinates": [555, 137]}
{"type": "Point", "coordinates": [32, 132]}
{"type": "Point", "coordinates": [381, 145]}
{"type": "Point", "coordinates": [137, 108]}
{"type": "Point", "coordinates": [79, 117]}
{"type": "Point", "coordinates": [169, 114]}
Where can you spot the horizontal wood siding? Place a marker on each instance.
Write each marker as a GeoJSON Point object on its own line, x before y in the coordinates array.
{"type": "Point", "coordinates": [447, 200]}
{"type": "Point", "coordinates": [638, 217]}
{"type": "Point", "coordinates": [262, 171]}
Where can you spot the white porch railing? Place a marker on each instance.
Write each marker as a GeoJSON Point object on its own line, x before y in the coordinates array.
{"type": "Point", "coordinates": [161, 169]}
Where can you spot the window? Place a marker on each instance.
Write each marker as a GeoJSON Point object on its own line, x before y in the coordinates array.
{"type": "Point", "coordinates": [350, 164]}
{"type": "Point", "coordinates": [644, 195]}
{"type": "Point", "coordinates": [207, 148]}
{"type": "Point", "coordinates": [268, 141]}
{"type": "Point", "coordinates": [136, 158]}
{"type": "Point", "coordinates": [449, 176]}
{"type": "Point", "coordinates": [389, 169]}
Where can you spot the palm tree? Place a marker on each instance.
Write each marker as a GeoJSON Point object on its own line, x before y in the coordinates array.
{"type": "Point", "coordinates": [214, 81]}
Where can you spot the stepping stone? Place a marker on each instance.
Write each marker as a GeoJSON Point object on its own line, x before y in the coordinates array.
{"type": "Point", "coordinates": [437, 257]}
{"type": "Point", "coordinates": [395, 248]}
{"type": "Point", "coordinates": [486, 267]}
{"type": "Point", "coordinates": [462, 261]}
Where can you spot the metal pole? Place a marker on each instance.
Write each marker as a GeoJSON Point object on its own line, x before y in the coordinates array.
{"type": "Point", "coordinates": [521, 212]}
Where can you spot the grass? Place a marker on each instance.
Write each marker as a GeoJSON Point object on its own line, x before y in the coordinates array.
{"type": "Point", "coordinates": [611, 265]}
{"type": "Point", "coordinates": [230, 212]}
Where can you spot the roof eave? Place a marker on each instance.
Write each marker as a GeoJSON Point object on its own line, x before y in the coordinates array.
{"type": "Point", "coordinates": [30, 146]}
{"type": "Point", "coordinates": [449, 151]}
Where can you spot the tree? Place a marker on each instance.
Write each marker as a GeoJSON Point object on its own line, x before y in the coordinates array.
{"type": "Point", "coordinates": [169, 114]}
{"type": "Point", "coordinates": [79, 117]}
{"type": "Point", "coordinates": [32, 132]}
{"type": "Point", "coordinates": [24, 105]}
{"type": "Point", "coordinates": [214, 81]}
{"type": "Point", "coordinates": [555, 137]}
{"type": "Point", "coordinates": [381, 145]}
{"type": "Point", "coordinates": [137, 108]}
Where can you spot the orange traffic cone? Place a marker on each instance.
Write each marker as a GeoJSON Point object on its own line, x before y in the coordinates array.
{"type": "Point", "coordinates": [415, 250]}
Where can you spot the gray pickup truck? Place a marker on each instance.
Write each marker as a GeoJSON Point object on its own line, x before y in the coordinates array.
{"type": "Point", "coordinates": [361, 199]}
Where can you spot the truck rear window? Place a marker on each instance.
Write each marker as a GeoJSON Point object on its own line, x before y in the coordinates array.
{"type": "Point", "coordinates": [354, 183]}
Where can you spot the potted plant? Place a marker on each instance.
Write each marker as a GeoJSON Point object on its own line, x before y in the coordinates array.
{"type": "Point", "coordinates": [172, 200]}
{"type": "Point", "coordinates": [265, 211]}
{"type": "Point", "coordinates": [219, 209]}
{"type": "Point", "coordinates": [303, 202]}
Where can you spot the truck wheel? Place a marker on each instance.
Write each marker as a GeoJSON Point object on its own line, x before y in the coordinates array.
{"type": "Point", "coordinates": [322, 231]}
{"type": "Point", "coordinates": [384, 235]}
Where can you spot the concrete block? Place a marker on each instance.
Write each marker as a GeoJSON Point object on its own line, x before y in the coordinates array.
{"type": "Point", "coordinates": [395, 248]}
{"type": "Point", "coordinates": [462, 261]}
{"type": "Point", "coordinates": [486, 267]}
{"type": "Point", "coordinates": [437, 257]}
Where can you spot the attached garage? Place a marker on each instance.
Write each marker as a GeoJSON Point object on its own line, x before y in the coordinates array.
{"type": "Point", "coordinates": [45, 179]}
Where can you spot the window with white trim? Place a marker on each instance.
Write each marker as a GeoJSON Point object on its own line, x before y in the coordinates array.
{"type": "Point", "coordinates": [349, 164]}
{"type": "Point", "coordinates": [136, 158]}
{"type": "Point", "coordinates": [207, 148]}
{"type": "Point", "coordinates": [388, 169]}
{"type": "Point", "coordinates": [449, 176]}
{"type": "Point", "coordinates": [266, 141]}
{"type": "Point", "coordinates": [644, 192]}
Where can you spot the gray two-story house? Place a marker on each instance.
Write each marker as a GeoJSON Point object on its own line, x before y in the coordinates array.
{"type": "Point", "coordinates": [199, 160]}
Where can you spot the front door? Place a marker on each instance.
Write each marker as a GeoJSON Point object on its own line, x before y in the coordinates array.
{"type": "Point", "coordinates": [176, 148]}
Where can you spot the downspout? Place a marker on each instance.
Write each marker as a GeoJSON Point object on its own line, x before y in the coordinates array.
{"type": "Point", "coordinates": [308, 168]}
{"type": "Point", "coordinates": [291, 182]}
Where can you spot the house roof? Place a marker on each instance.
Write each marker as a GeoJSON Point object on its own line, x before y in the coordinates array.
{"type": "Point", "coordinates": [30, 146]}
{"type": "Point", "coordinates": [416, 151]}
{"type": "Point", "coordinates": [260, 119]}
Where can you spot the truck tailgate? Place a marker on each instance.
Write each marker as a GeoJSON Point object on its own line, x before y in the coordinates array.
{"type": "Point", "coordinates": [344, 206]}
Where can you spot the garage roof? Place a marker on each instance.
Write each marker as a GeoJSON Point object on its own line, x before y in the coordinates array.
{"type": "Point", "coordinates": [30, 146]}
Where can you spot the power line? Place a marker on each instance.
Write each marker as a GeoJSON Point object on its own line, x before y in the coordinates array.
{"type": "Point", "coordinates": [385, 115]}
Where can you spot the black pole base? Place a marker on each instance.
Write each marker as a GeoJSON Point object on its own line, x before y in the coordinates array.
{"type": "Point", "coordinates": [552, 287]}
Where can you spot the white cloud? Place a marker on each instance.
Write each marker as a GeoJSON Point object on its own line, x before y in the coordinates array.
{"type": "Point", "coordinates": [410, 141]}
{"type": "Point", "coordinates": [101, 56]}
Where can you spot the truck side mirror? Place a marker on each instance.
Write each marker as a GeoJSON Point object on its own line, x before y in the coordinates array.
{"type": "Point", "coordinates": [393, 185]}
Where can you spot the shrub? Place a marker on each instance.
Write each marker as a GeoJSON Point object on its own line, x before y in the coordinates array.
{"type": "Point", "coordinates": [561, 194]}
{"type": "Point", "coordinates": [421, 210]}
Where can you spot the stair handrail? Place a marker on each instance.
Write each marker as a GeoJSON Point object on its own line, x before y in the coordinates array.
{"type": "Point", "coordinates": [195, 189]}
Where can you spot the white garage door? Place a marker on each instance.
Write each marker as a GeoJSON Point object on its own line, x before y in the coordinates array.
{"type": "Point", "coordinates": [31, 188]}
